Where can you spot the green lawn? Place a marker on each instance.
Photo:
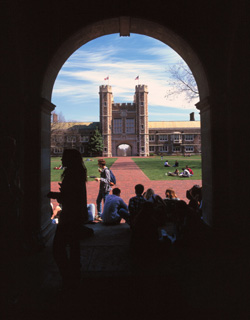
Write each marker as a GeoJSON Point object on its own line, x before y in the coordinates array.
{"type": "Point", "coordinates": [154, 169]}
{"type": "Point", "coordinates": [92, 167]}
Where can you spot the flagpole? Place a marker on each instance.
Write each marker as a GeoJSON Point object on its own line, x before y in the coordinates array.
{"type": "Point", "coordinates": [137, 78]}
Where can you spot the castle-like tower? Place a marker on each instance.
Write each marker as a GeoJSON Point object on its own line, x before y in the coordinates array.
{"type": "Point", "coordinates": [106, 101]}
{"type": "Point", "coordinates": [124, 123]}
{"type": "Point", "coordinates": [141, 101]}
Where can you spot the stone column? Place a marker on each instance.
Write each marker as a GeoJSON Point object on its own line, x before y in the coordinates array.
{"type": "Point", "coordinates": [46, 227]}
{"type": "Point", "coordinates": [206, 149]}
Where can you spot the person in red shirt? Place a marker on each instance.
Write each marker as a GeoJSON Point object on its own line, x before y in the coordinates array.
{"type": "Point", "coordinates": [190, 170]}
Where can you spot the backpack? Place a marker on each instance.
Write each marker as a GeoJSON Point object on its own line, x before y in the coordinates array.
{"type": "Point", "coordinates": [112, 178]}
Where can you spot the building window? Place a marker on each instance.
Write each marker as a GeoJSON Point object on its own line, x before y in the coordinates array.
{"type": "Point", "coordinates": [151, 148]}
{"type": "Point", "coordinates": [142, 103]}
{"type": "Point", "coordinates": [130, 125]}
{"type": "Point", "coordinates": [142, 126]}
{"type": "Point", "coordinates": [189, 137]}
{"type": "Point", "coordinates": [163, 149]}
{"type": "Point", "coordinates": [176, 138]}
{"type": "Point", "coordinates": [189, 149]}
{"type": "Point", "coordinates": [142, 149]}
{"type": "Point", "coordinates": [58, 150]}
{"type": "Point", "coordinates": [151, 137]}
{"type": "Point", "coordinates": [105, 103]}
{"type": "Point", "coordinates": [117, 126]}
{"type": "Point", "coordinates": [163, 137]}
{"type": "Point", "coordinates": [176, 149]}
{"type": "Point", "coordinates": [84, 138]}
{"type": "Point", "coordinates": [59, 138]}
{"type": "Point", "coordinates": [105, 149]}
{"type": "Point", "coordinates": [71, 138]}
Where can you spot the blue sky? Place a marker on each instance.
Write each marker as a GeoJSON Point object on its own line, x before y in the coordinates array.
{"type": "Point", "coordinates": [76, 89]}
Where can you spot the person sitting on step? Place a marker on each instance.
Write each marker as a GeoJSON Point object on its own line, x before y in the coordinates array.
{"type": "Point", "coordinates": [115, 209]}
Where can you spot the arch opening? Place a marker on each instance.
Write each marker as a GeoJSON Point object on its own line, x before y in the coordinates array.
{"type": "Point", "coordinates": [124, 150]}
{"type": "Point", "coordinates": [142, 27]}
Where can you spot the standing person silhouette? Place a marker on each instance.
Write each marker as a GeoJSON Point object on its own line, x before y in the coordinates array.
{"type": "Point", "coordinates": [73, 198]}
{"type": "Point", "coordinates": [104, 187]}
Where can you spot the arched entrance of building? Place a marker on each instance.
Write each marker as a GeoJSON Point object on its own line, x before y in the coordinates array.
{"type": "Point", "coordinates": [125, 26]}
{"type": "Point", "coordinates": [124, 150]}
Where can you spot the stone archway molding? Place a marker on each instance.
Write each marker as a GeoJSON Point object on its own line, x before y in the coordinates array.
{"type": "Point", "coordinates": [125, 26]}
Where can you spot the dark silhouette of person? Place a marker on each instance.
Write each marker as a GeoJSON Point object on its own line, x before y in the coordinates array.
{"type": "Point", "coordinates": [136, 202]}
{"type": "Point", "coordinates": [73, 199]}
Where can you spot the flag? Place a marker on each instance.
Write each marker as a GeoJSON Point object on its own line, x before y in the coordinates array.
{"type": "Point", "coordinates": [106, 78]}
{"type": "Point", "coordinates": [137, 78]}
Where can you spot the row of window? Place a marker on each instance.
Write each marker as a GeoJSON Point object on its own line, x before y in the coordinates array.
{"type": "Point", "coordinates": [69, 138]}
{"type": "Point", "coordinates": [59, 150]}
{"type": "Point", "coordinates": [118, 128]}
{"type": "Point", "coordinates": [174, 137]}
{"type": "Point", "coordinates": [130, 126]}
{"type": "Point", "coordinates": [129, 129]}
{"type": "Point", "coordinates": [174, 149]}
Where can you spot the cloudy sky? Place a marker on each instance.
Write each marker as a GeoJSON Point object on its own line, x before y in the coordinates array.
{"type": "Point", "coordinates": [76, 89]}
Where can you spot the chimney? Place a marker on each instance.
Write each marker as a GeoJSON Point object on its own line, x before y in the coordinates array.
{"type": "Point", "coordinates": [55, 117]}
{"type": "Point", "coordinates": [192, 116]}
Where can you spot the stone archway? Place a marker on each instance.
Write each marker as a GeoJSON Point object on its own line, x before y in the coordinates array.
{"type": "Point", "coordinates": [125, 26]}
{"type": "Point", "coordinates": [124, 150]}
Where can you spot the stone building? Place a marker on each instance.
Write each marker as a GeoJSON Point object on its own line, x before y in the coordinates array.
{"type": "Point", "coordinates": [127, 124]}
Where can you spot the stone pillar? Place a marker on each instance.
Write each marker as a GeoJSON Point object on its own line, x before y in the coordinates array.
{"type": "Point", "coordinates": [206, 148]}
{"type": "Point", "coordinates": [46, 227]}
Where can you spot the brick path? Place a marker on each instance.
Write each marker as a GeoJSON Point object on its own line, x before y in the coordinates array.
{"type": "Point", "coordinates": [128, 174]}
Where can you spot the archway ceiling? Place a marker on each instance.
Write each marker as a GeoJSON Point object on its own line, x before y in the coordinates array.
{"type": "Point", "coordinates": [125, 26]}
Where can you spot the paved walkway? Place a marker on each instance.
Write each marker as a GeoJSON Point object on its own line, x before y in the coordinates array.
{"type": "Point", "coordinates": [128, 174]}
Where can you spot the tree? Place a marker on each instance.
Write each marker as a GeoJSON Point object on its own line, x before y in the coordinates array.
{"type": "Point", "coordinates": [96, 143]}
{"type": "Point", "coordinates": [182, 81]}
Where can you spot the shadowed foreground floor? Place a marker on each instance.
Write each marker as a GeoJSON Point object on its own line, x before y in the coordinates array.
{"type": "Point", "coordinates": [185, 282]}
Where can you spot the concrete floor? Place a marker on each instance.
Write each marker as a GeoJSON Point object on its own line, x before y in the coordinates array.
{"type": "Point", "coordinates": [180, 284]}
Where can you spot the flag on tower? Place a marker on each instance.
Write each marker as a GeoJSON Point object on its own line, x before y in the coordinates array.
{"type": "Point", "coordinates": [137, 78]}
{"type": "Point", "coordinates": [106, 78]}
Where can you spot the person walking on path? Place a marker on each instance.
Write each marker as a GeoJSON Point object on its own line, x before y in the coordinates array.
{"type": "Point", "coordinates": [115, 209]}
{"type": "Point", "coordinates": [104, 187]}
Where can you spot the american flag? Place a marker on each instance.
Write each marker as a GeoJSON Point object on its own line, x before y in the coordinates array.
{"type": "Point", "coordinates": [137, 78]}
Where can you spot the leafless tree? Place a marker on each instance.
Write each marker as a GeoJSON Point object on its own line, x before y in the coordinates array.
{"type": "Point", "coordinates": [181, 81]}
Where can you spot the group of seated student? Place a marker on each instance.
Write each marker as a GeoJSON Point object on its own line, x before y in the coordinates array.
{"type": "Point", "coordinates": [115, 209]}
{"type": "Point", "coordinates": [186, 172]}
{"type": "Point", "coordinates": [166, 164]}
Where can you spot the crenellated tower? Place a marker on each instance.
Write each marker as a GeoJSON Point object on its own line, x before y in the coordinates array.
{"type": "Point", "coordinates": [124, 123]}
{"type": "Point", "coordinates": [141, 101]}
{"type": "Point", "coordinates": [106, 100]}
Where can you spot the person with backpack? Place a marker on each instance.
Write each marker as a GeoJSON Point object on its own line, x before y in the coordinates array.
{"type": "Point", "coordinates": [104, 187]}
